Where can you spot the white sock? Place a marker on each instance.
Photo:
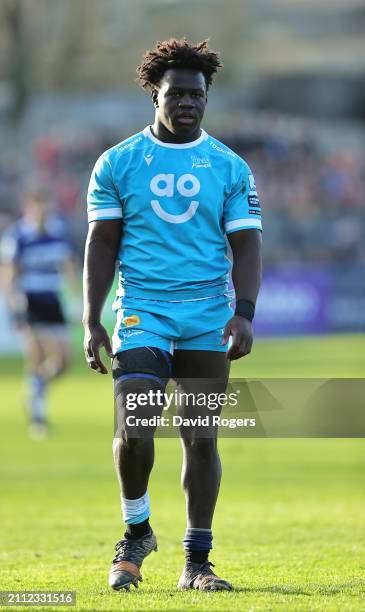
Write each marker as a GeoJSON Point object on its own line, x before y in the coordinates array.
{"type": "Point", "coordinates": [135, 510]}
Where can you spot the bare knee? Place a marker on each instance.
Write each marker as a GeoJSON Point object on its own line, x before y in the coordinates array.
{"type": "Point", "coordinates": [125, 444]}
{"type": "Point", "coordinates": [201, 448]}
{"type": "Point", "coordinates": [62, 359]}
{"type": "Point", "coordinates": [64, 363]}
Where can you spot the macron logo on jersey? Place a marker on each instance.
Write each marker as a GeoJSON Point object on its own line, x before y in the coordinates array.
{"type": "Point", "coordinates": [148, 158]}
{"type": "Point", "coordinates": [163, 185]}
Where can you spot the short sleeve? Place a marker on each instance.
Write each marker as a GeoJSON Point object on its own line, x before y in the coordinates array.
{"type": "Point", "coordinates": [103, 201]}
{"type": "Point", "coordinates": [242, 208]}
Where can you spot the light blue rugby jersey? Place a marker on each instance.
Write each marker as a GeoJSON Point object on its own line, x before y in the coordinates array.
{"type": "Point", "coordinates": [177, 202]}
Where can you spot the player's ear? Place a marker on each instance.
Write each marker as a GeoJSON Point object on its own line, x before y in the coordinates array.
{"type": "Point", "coordinates": [154, 97]}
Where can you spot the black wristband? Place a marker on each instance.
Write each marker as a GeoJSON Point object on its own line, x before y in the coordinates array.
{"type": "Point", "coordinates": [246, 309]}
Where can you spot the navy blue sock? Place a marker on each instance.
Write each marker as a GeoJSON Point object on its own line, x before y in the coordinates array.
{"type": "Point", "coordinates": [197, 544]}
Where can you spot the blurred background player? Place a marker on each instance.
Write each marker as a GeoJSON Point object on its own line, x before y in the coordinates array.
{"type": "Point", "coordinates": [35, 252]}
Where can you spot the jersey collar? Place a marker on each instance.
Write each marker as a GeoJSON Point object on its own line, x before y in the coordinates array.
{"type": "Point", "coordinates": [185, 145]}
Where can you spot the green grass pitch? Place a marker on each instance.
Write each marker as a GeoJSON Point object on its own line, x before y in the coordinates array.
{"type": "Point", "coordinates": [289, 526]}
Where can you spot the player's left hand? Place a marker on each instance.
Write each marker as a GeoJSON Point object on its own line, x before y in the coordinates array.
{"type": "Point", "coordinates": [241, 331]}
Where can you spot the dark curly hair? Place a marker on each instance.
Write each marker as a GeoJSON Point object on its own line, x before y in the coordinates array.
{"type": "Point", "coordinates": [174, 53]}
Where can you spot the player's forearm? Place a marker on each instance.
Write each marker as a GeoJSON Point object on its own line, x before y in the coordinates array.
{"type": "Point", "coordinates": [247, 266]}
{"type": "Point", "coordinates": [98, 276]}
{"type": "Point", "coordinates": [72, 274]}
{"type": "Point", "coordinates": [8, 278]}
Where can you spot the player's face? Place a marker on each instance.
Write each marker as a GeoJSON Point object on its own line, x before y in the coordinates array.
{"type": "Point", "coordinates": [36, 210]}
{"type": "Point", "coordinates": [180, 102]}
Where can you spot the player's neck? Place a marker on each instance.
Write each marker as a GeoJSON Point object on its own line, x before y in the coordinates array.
{"type": "Point", "coordinates": [163, 134]}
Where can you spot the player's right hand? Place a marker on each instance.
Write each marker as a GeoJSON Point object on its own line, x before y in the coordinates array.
{"type": "Point", "coordinates": [95, 337]}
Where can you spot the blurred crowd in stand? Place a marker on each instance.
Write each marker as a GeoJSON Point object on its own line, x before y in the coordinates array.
{"type": "Point", "coordinates": [313, 199]}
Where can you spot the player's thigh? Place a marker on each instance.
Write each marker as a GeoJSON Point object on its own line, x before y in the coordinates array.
{"type": "Point", "coordinates": [201, 383]}
{"type": "Point", "coordinates": [200, 364]}
{"type": "Point", "coordinates": [140, 376]}
{"type": "Point", "coordinates": [47, 327]}
{"type": "Point", "coordinates": [55, 343]}
{"type": "Point", "coordinates": [34, 350]}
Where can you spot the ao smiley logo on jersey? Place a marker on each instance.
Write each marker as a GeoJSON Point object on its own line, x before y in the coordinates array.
{"type": "Point", "coordinates": [163, 185]}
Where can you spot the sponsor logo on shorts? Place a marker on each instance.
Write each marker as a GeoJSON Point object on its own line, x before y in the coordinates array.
{"type": "Point", "coordinates": [254, 211]}
{"type": "Point", "coordinates": [132, 332]}
{"type": "Point", "coordinates": [131, 320]}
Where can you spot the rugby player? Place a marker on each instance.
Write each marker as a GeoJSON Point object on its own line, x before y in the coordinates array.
{"type": "Point", "coordinates": [35, 253]}
{"type": "Point", "coordinates": [162, 204]}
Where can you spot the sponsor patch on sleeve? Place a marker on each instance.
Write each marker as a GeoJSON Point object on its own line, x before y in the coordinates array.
{"type": "Point", "coordinates": [252, 183]}
{"type": "Point", "coordinates": [253, 200]}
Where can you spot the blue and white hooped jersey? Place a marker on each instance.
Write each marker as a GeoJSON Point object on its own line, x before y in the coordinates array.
{"type": "Point", "coordinates": [39, 256]}
{"type": "Point", "coordinates": [177, 203]}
